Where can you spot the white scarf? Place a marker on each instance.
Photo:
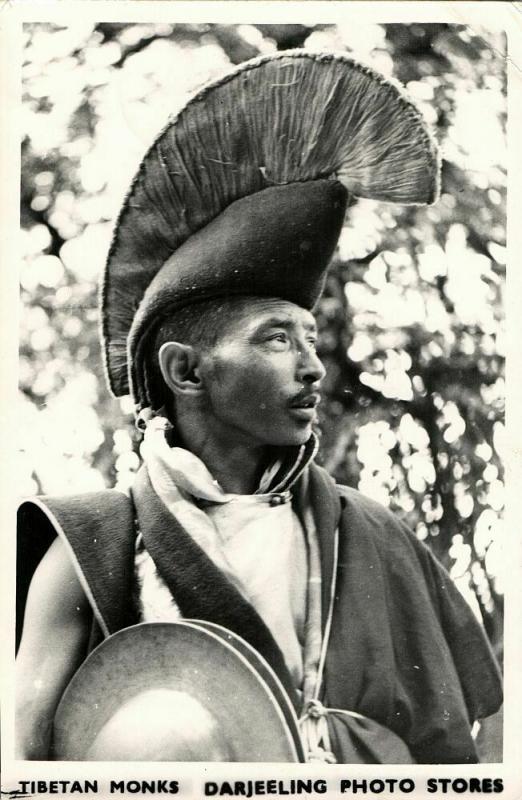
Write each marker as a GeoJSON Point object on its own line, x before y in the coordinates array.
{"type": "Point", "coordinates": [255, 541]}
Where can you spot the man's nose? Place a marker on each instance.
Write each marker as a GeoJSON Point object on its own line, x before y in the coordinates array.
{"type": "Point", "coordinates": [310, 367]}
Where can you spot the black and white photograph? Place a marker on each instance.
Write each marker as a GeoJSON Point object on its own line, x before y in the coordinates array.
{"type": "Point", "coordinates": [260, 431]}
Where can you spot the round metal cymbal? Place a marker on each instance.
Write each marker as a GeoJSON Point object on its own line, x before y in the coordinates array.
{"type": "Point", "coordinates": [184, 691]}
{"type": "Point", "coordinates": [266, 672]}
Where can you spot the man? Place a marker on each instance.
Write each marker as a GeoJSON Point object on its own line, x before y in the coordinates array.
{"type": "Point", "coordinates": [218, 258]}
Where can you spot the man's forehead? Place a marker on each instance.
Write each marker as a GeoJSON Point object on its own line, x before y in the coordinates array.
{"type": "Point", "coordinates": [268, 311]}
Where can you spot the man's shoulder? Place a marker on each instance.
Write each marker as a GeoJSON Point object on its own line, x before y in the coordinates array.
{"type": "Point", "coordinates": [75, 515]}
{"type": "Point", "coordinates": [98, 531]}
{"type": "Point", "coordinates": [363, 516]}
{"type": "Point", "coordinates": [366, 524]}
{"type": "Point", "coordinates": [356, 505]}
{"type": "Point", "coordinates": [357, 502]}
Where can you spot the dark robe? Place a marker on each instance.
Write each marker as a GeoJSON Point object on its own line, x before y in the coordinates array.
{"type": "Point", "coordinates": [404, 649]}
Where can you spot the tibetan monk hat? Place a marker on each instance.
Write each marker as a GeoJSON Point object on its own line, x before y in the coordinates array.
{"type": "Point", "coordinates": [244, 193]}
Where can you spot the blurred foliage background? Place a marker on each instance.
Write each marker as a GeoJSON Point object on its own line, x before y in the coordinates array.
{"type": "Point", "coordinates": [411, 322]}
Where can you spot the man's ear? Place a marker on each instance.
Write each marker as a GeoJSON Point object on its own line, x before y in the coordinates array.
{"type": "Point", "coordinates": [179, 364]}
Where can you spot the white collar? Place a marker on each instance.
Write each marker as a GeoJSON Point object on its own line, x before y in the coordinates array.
{"type": "Point", "coordinates": [190, 474]}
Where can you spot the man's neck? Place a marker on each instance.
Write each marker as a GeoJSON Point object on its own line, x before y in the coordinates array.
{"type": "Point", "coordinates": [237, 466]}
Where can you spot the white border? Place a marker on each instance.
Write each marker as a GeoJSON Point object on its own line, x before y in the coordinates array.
{"type": "Point", "coordinates": [494, 15]}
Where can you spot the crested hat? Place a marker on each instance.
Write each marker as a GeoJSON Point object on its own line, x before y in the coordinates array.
{"type": "Point", "coordinates": [244, 192]}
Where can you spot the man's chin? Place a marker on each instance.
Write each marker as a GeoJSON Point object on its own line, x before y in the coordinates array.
{"type": "Point", "coordinates": [293, 438]}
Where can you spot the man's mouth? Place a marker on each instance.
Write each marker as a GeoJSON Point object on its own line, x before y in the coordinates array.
{"type": "Point", "coordinates": [305, 402]}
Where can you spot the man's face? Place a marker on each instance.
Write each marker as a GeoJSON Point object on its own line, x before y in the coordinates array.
{"type": "Point", "coordinates": [262, 378]}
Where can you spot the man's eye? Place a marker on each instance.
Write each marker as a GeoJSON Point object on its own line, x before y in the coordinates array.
{"type": "Point", "coordinates": [278, 337]}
